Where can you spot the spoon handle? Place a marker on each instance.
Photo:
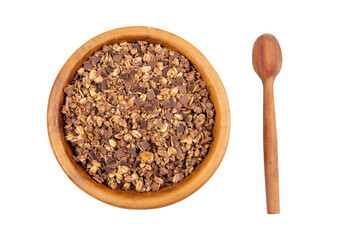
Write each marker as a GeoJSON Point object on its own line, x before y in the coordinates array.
{"type": "Point", "coordinates": [270, 152]}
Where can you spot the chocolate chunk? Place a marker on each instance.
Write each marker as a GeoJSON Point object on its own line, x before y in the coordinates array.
{"type": "Point", "coordinates": [166, 182]}
{"type": "Point", "coordinates": [119, 153]}
{"type": "Point", "coordinates": [143, 123]}
{"type": "Point", "coordinates": [110, 165]}
{"type": "Point", "coordinates": [190, 87]}
{"type": "Point", "coordinates": [101, 174]}
{"type": "Point", "coordinates": [152, 64]}
{"type": "Point", "coordinates": [136, 46]}
{"type": "Point", "coordinates": [124, 75]}
{"type": "Point", "coordinates": [94, 59]}
{"type": "Point", "coordinates": [92, 108]}
{"type": "Point", "coordinates": [165, 71]}
{"type": "Point", "coordinates": [111, 162]}
{"type": "Point", "coordinates": [186, 118]}
{"type": "Point", "coordinates": [140, 89]}
{"type": "Point", "coordinates": [156, 91]}
{"type": "Point", "coordinates": [75, 121]}
{"type": "Point", "coordinates": [204, 92]}
{"type": "Point", "coordinates": [155, 102]}
{"type": "Point", "coordinates": [117, 58]}
{"type": "Point", "coordinates": [108, 133]}
{"type": "Point", "coordinates": [123, 52]}
{"type": "Point", "coordinates": [183, 100]}
{"type": "Point", "coordinates": [136, 89]}
{"type": "Point", "coordinates": [109, 69]}
{"type": "Point", "coordinates": [138, 101]}
{"type": "Point", "coordinates": [172, 102]}
{"type": "Point", "coordinates": [179, 151]}
{"type": "Point", "coordinates": [156, 79]}
{"type": "Point", "coordinates": [103, 73]}
{"type": "Point", "coordinates": [88, 65]}
{"type": "Point", "coordinates": [178, 107]}
{"type": "Point", "coordinates": [122, 107]}
{"type": "Point", "coordinates": [129, 124]}
{"type": "Point", "coordinates": [132, 72]}
{"type": "Point", "coordinates": [154, 186]}
{"type": "Point", "coordinates": [120, 185]}
{"type": "Point", "coordinates": [149, 108]}
{"type": "Point", "coordinates": [94, 156]}
{"type": "Point", "coordinates": [77, 77]}
{"type": "Point", "coordinates": [108, 169]}
{"type": "Point", "coordinates": [98, 89]}
{"type": "Point", "coordinates": [124, 163]}
{"type": "Point", "coordinates": [156, 171]}
{"type": "Point", "coordinates": [127, 85]}
{"type": "Point", "coordinates": [131, 151]}
{"type": "Point", "coordinates": [104, 85]}
{"type": "Point", "coordinates": [146, 103]}
{"type": "Point", "coordinates": [180, 79]}
{"type": "Point", "coordinates": [136, 164]}
{"type": "Point", "coordinates": [107, 48]}
{"type": "Point", "coordinates": [134, 108]}
{"type": "Point", "coordinates": [176, 83]}
{"type": "Point", "coordinates": [180, 129]}
{"type": "Point", "coordinates": [145, 145]}
{"type": "Point", "coordinates": [175, 140]}
{"type": "Point", "coordinates": [166, 104]}
{"type": "Point", "coordinates": [182, 89]}
{"type": "Point", "coordinates": [142, 131]}
{"type": "Point", "coordinates": [168, 116]}
{"type": "Point", "coordinates": [150, 95]}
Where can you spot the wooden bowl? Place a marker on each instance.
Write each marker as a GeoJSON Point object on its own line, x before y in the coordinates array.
{"type": "Point", "coordinates": [132, 199]}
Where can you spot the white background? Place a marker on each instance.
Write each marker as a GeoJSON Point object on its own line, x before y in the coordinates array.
{"type": "Point", "coordinates": [317, 106]}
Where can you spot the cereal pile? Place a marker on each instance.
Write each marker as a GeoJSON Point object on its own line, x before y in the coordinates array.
{"type": "Point", "coordinates": [138, 116]}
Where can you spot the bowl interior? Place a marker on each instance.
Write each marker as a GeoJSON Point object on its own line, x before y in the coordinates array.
{"type": "Point", "coordinates": [133, 199]}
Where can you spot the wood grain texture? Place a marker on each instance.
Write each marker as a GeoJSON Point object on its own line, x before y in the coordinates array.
{"type": "Point", "coordinates": [133, 199]}
{"type": "Point", "coordinates": [267, 62]}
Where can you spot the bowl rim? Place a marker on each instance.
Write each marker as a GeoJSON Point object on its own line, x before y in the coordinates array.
{"type": "Point", "coordinates": [131, 199]}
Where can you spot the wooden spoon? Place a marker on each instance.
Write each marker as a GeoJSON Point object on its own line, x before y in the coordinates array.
{"type": "Point", "coordinates": [267, 60]}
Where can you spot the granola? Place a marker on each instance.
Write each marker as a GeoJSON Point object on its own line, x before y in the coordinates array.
{"type": "Point", "coordinates": [138, 116]}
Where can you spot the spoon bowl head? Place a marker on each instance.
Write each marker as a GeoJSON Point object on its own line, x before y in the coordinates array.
{"type": "Point", "coordinates": [267, 57]}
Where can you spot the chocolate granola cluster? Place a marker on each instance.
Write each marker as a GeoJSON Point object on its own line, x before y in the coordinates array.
{"type": "Point", "coordinates": [138, 116]}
